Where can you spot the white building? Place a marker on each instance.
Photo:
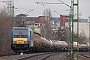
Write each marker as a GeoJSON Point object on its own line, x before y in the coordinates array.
{"type": "Point", "coordinates": [83, 28]}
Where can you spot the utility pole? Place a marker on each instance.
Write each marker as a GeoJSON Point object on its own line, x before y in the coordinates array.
{"type": "Point", "coordinates": [12, 16]}
{"type": "Point", "coordinates": [74, 3]}
{"type": "Point", "coordinates": [10, 9]}
{"type": "Point", "coordinates": [70, 30]}
{"type": "Point", "coordinates": [89, 35]}
{"type": "Point", "coordinates": [9, 4]}
{"type": "Point", "coordinates": [33, 26]}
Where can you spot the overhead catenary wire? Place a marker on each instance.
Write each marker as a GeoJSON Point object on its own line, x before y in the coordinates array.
{"type": "Point", "coordinates": [29, 11]}
{"type": "Point", "coordinates": [47, 3]}
{"type": "Point", "coordinates": [43, 4]}
{"type": "Point", "coordinates": [20, 5]}
{"type": "Point", "coordinates": [56, 12]}
{"type": "Point", "coordinates": [64, 3]}
{"type": "Point", "coordinates": [19, 11]}
{"type": "Point", "coordinates": [33, 13]}
{"type": "Point", "coordinates": [23, 8]}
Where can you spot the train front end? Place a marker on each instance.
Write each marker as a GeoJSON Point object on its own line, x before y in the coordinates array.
{"type": "Point", "coordinates": [20, 38]}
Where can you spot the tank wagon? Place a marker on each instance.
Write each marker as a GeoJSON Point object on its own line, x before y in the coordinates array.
{"type": "Point", "coordinates": [61, 45]}
{"type": "Point", "coordinates": [41, 44]}
{"type": "Point", "coordinates": [83, 47]}
{"type": "Point", "coordinates": [80, 47]}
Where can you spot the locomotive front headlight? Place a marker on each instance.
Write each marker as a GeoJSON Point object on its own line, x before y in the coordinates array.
{"type": "Point", "coordinates": [25, 42]}
{"type": "Point", "coordinates": [14, 42]}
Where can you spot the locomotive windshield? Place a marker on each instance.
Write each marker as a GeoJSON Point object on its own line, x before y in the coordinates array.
{"type": "Point", "coordinates": [20, 32]}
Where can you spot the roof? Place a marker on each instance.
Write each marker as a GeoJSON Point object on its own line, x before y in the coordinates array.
{"type": "Point", "coordinates": [83, 20]}
{"type": "Point", "coordinates": [19, 18]}
{"type": "Point", "coordinates": [32, 19]}
{"type": "Point", "coordinates": [20, 15]}
{"type": "Point", "coordinates": [65, 15]}
{"type": "Point", "coordinates": [36, 19]}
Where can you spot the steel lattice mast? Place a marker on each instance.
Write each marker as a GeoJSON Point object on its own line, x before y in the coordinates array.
{"type": "Point", "coordinates": [74, 9]}
{"type": "Point", "coordinates": [10, 7]}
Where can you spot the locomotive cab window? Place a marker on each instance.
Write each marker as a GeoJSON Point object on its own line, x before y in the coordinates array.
{"type": "Point", "coordinates": [20, 32]}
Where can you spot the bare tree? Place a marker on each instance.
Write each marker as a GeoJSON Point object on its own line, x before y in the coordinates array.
{"type": "Point", "coordinates": [47, 25]}
{"type": "Point", "coordinates": [5, 31]}
{"type": "Point", "coordinates": [62, 35]}
{"type": "Point", "coordinates": [81, 38]}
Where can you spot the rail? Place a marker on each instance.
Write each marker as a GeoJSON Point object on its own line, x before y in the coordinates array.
{"type": "Point", "coordinates": [28, 57]}
{"type": "Point", "coordinates": [8, 54]}
{"type": "Point", "coordinates": [84, 55]}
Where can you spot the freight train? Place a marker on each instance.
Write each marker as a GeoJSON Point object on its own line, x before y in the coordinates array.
{"type": "Point", "coordinates": [24, 39]}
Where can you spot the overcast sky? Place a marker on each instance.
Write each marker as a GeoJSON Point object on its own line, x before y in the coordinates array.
{"type": "Point", "coordinates": [26, 5]}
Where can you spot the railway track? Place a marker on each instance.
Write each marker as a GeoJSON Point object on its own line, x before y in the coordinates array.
{"type": "Point", "coordinates": [56, 56]}
{"type": "Point", "coordinates": [46, 56]}
{"type": "Point", "coordinates": [82, 56]}
{"type": "Point", "coordinates": [35, 56]}
{"type": "Point", "coordinates": [16, 56]}
{"type": "Point", "coordinates": [7, 54]}
{"type": "Point", "coordinates": [85, 56]}
{"type": "Point", "coordinates": [38, 56]}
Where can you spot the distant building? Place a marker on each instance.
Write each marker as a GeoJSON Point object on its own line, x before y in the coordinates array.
{"type": "Point", "coordinates": [41, 20]}
{"type": "Point", "coordinates": [83, 27]}
{"type": "Point", "coordinates": [33, 23]}
{"type": "Point", "coordinates": [80, 16]}
{"type": "Point", "coordinates": [55, 23]}
{"type": "Point", "coordinates": [63, 20]}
